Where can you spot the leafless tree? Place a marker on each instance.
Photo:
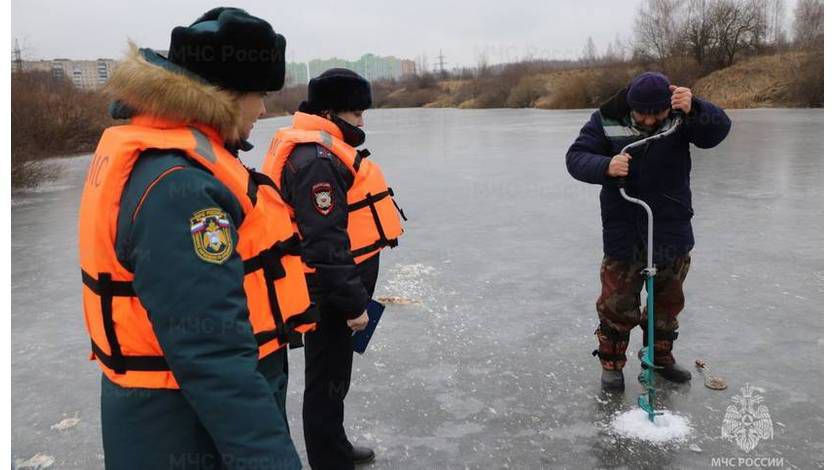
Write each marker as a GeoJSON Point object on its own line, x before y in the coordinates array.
{"type": "Point", "coordinates": [656, 28]}
{"type": "Point", "coordinates": [590, 52]}
{"type": "Point", "coordinates": [712, 32]}
{"type": "Point", "coordinates": [697, 31]}
{"type": "Point", "coordinates": [736, 26]}
{"type": "Point", "coordinates": [776, 15]}
{"type": "Point", "coordinates": [482, 64]}
{"type": "Point", "coordinates": [616, 51]}
{"type": "Point", "coordinates": [808, 26]}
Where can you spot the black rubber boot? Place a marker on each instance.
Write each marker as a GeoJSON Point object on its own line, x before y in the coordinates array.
{"type": "Point", "coordinates": [675, 373]}
{"type": "Point", "coordinates": [362, 455]}
{"type": "Point", "coordinates": [612, 380]}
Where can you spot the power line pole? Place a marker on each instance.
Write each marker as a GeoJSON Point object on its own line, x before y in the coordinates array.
{"type": "Point", "coordinates": [440, 64]}
{"type": "Point", "coordinates": [18, 58]}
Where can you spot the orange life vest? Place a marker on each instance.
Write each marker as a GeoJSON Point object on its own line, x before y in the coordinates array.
{"type": "Point", "coordinates": [373, 215]}
{"type": "Point", "coordinates": [123, 340]}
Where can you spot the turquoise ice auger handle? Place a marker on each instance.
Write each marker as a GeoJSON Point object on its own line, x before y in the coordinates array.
{"type": "Point", "coordinates": [647, 400]}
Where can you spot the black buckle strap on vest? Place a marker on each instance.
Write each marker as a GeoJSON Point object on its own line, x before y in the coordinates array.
{"type": "Point", "coordinates": [275, 309]}
{"type": "Point", "coordinates": [403, 216]}
{"type": "Point", "coordinates": [258, 179]}
{"type": "Point", "coordinates": [265, 336]}
{"type": "Point", "coordinates": [612, 333]}
{"type": "Point", "coordinates": [137, 363]}
{"type": "Point", "coordinates": [358, 158]}
{"type": "Point", "coordinates": [310, 315]}
{"type": "Point", "coordinates": [106, 288]}
{"type": "Point", "coordinates": [294, 339]}
{"type": "Point", "coordinates": [376, 198]}
{"type": "Point", "coordinates": [116, 288]}
{"type": "Point", "coordinates": [289, 337]}
{"type": "Point", "coordinates": [271, 259]}
{"type": "Point", "coordinates": [614, 357]}
{"type": "Point", "coordinates": [382, 241]}
{"type": "Point", "coordinates": [376, 216]}
{"type": "Point", "coordinates": [370, 200]}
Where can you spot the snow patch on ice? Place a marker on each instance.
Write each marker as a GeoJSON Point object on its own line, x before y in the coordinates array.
{"type": "Point", "coordinates": [65, 424]}
{"type": "Point", "coordinates": [36, 462]}
{"type": "Point", "coordinates": [635, 425]}
{"type": "Point", "coordinates": [409, 281]}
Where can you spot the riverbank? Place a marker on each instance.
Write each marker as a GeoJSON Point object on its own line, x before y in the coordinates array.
{"type": "Point", "coordinates": [52, 118]}
{"type": "Point", "coordinates": [786, 80]}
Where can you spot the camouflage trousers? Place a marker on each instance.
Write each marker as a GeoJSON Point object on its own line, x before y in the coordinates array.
{"type": "Point", "coordinates": [619, 308]}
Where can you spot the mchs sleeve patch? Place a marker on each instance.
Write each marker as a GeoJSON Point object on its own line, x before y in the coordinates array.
{"type": "Point", "coordinates": [211, 235]}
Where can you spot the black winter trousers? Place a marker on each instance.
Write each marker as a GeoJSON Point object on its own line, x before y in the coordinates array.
{"type": "Point", "coordinates": [328, 361]}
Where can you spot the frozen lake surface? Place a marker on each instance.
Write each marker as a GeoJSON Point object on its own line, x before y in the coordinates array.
{"type": "Point", "coordinates": [491, 367]}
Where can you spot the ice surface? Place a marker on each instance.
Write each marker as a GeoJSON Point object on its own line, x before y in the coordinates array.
{"type": "Point", "coordinates": [490, 366]}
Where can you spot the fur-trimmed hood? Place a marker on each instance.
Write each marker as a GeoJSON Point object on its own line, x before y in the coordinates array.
{"type": "Point", "coordinates": [149, 84]}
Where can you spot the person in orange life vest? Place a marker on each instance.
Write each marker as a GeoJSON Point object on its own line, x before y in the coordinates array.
{"type": "Point", "coordinates": [345, 215]}
{"type": "Point", "coordinates": [188, 307]}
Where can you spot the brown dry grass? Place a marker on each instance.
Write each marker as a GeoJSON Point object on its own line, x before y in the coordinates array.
{"type": "Point", "coordinates": [792, 79]}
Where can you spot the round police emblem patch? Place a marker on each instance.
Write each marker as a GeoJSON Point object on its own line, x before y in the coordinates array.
{"type": "Point", "coordinates": [323, 198]}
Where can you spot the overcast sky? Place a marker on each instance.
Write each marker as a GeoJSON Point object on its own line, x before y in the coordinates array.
{"type": "Point", "coordinates": [463, 30]}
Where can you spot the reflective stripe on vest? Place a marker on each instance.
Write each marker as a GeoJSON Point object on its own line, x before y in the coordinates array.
{"type": "Point", "coordinates": [123, 339]}
{"type": "Point", "coordinates": [374, 218]}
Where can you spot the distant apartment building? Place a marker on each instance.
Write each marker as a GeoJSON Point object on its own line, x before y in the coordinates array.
{"type": "Point", "coordinates": [87, 74]}
{"type": "Point", "coordinates": [370, 66]}
{"type": "Point", "coordinates": [92, 74]}
{"type": "Point", "coordinates": [408, 67]}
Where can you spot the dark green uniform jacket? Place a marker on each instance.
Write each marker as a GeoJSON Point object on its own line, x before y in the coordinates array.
{"type": "Point", "coordinates": [229, 412]}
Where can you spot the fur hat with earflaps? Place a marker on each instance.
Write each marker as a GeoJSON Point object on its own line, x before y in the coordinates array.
{"type": "Point", "coordinates": [230, 48]}
{"type": "Point", "coordinates": [337, 90]}
{"type": "Point", "coordinates": [225, 52]}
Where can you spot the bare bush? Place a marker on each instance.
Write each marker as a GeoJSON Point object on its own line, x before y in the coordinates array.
{"type": "Point", "coordinates": [569, 93]}
{"type": "Point", "coordinates": [50, 118]}
{"type": "Point", "coordinates": [808, 85]}
{"type": "Point", "coordinates": [526, 92]}
{"type": "Point", "coordinates": [286, 100]}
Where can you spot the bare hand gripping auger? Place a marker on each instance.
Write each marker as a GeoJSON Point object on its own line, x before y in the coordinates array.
{"type": "Point", "coordinates": [647, 400]}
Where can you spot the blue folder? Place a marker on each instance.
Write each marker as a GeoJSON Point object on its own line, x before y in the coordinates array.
{"type": "Point", "coordinates": [361, 338]}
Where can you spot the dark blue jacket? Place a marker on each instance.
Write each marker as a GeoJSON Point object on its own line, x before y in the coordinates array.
{"type": "Point", "coordinates": [659, 175]}
{"type": "Point", "coordinates": [338, 284]}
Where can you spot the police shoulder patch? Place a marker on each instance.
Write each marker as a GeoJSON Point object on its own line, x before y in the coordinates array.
{"type": "Point", "coordinates": [323, 197]}
{"type": "Point", "coordinates": [211, 235]}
